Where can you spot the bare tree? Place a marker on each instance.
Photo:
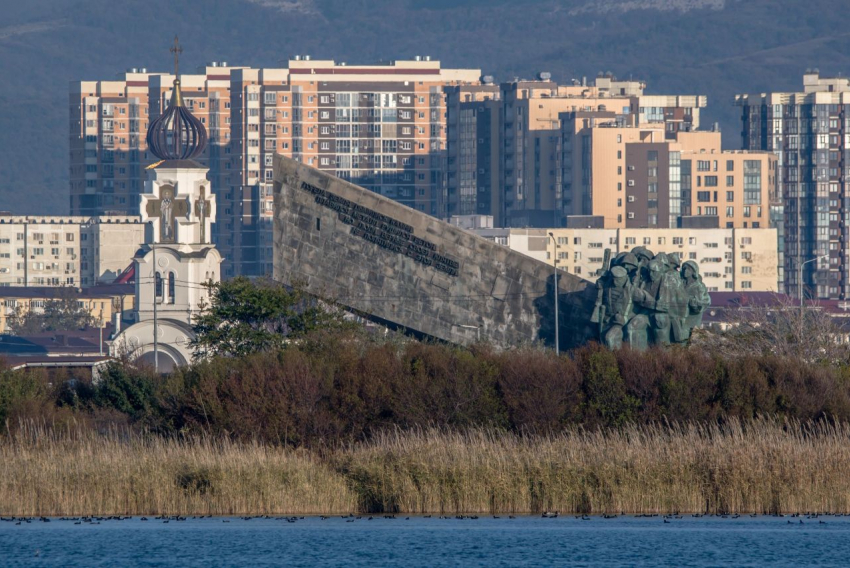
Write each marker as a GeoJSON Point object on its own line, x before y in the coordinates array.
{"type": "Point", "coordinates": [779, 327]}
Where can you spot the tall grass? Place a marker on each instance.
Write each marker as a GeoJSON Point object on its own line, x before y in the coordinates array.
{"type": "Point", "coordinates": [44, 472]}
{"type": "Point", "coordinates": [761, 466]}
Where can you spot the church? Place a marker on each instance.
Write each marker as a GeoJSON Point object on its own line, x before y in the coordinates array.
{"type": "Point", "coordinates": [177, 258]}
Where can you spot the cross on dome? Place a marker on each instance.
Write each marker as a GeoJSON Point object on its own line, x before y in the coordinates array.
{"type": "Point", "coordinates": [176, 134]}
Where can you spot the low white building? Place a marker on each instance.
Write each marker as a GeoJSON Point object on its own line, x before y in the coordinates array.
{"type": "Point", "coordinates": [65, 250]}
{"type": "Point", "coordinates": [730, 260]}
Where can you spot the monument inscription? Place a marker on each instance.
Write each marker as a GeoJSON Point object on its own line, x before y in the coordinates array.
{"type": "Point", "coordinates": [383, 230]}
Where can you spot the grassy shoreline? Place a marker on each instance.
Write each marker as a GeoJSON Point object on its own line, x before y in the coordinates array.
{"type": "Point", "coordinates": [760, 466]}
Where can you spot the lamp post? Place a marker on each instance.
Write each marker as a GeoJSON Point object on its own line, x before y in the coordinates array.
{"type": "Point", "coordinates": [555, 266]}
{"type": "Point", "coordinates": [155, 299]}
{"type": "Point", "coordinates": [800, 282]}
{"type": "Point", "coordinates": [475, 327]}
{"type": "Point", "coordinates": [155, 326]}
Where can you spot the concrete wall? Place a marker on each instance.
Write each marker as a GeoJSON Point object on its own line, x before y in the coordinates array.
{"type": "Point", "coordinates": [479, 284]}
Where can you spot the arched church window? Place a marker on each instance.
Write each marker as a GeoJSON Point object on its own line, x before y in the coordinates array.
{"type": "Point", "coordinates": [172, 287]}
{"type": "Point", "coordinates": [158, 286]}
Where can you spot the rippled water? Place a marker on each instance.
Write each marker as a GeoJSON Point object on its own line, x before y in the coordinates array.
{"type": "Point", "coordinates": [524, 541]}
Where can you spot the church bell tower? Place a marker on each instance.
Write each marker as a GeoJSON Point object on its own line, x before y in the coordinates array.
{"type": "Point", "coordinates": [177, 258]}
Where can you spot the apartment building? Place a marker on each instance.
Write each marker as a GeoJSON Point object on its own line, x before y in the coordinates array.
{"type": "Point", "coordinates": [108, 128]}
{"type": "Point", "coordinates": [729, 259]}
{"type": "Point", "coordinates": [521, 125]}
{"type": "Point", "coordinates": [379, 126]}
{"type": "Point", "coordinates": [647, 176]}
{"type": "Point", "coordinates": [809, 132]}
{"type": "Point", "coordinates": [66, 251]}
{"type": "Point", "coordinates": [472, 150]}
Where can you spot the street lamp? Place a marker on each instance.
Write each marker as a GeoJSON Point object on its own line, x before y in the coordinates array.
{"type": "Point", "coordinates": [476, 328]}
{"type": "Point", "coordinates": [800, 282]}
{"type": "Point", "coordinates": [155, 301]}
{"type": "Point", "coordinates": [557, 321]}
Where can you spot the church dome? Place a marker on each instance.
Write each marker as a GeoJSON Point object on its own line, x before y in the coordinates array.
{"type": "Point", "coordinates": [176, 134]}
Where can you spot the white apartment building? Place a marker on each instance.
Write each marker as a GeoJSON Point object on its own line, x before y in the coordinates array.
{"type": "Point", "coordinates": [729, 259]}
{"type": "Point", "coordinates": [66, 251]}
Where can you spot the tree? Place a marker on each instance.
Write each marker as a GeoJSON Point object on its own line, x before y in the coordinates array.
{"type": "Point", "coordinates": [62, 313]}
{"type": "Point", "coordinates": [782, 328]}
{"type": "Point", "coordinates": [246, 316]}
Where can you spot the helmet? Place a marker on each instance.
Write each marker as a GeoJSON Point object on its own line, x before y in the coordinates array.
{"type": "Point", "coordinates": [629, 259]}
{"type": "Point", "coordinates": [619, 272]}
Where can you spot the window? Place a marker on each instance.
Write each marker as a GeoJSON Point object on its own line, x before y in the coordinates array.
{"type": "Point", "coordinates": [630, 240]}
{"type": "Point", "coordinates": [746, 255]}
{"type": "Point", "coordinates": [703, 165]}
{"type": "Point", "coordinates": [730, 165]}
{"type": "Point", "coordinates": [703, 196]}
{"type": "Point", "coordinates": [677, 240]}
{"type": "Point", "coordinates": [710, 181]}
{"type": "Point", "coordinates": [746, 270]}
{"type": "Point", "coordinates": [158, 286]}
{"type": "Point", "coordinates": [172, 287]}
{"type": "Point", "coordinates": [746, 284]}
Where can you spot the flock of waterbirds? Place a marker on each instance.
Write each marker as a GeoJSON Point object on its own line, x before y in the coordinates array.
{"type": "Point", "coordinates": [666, 518]}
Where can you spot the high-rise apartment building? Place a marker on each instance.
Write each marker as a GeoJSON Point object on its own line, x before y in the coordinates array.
{"type": "Point", "coordinates": [380, 126]}
{"type": "Point", "coordinates": [526, 136]}
{"type": "Point", "coordinates": [648, 176]}
{"type": "Point", "coordinates": [472, 149]}
{"type": "Point", "coordinates": [809, 132]}
{"type": "Point", "coordinates": [109, 121]}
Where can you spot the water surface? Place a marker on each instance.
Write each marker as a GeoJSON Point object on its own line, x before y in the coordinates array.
{"type": "Point", "coordinates": [418, 541]}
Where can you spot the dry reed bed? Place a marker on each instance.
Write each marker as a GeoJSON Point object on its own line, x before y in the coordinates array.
{"type": "Point", "coordinates": [43, 473]}
{"type": "Point", "coordinates": [760, 466]}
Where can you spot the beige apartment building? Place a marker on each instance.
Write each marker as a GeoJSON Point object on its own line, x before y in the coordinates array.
{"type": "Point", "coordinates": [729, 259]}
{"type": "Point", "coordinates": [648, 176]}
{"type": "Point", "coordinates": [66, 251]}
{"type": "Point", "coordinates": [520, 124]}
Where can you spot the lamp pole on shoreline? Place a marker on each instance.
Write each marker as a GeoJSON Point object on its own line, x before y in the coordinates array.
{"type": "Point", "coordinates": [557, 321]}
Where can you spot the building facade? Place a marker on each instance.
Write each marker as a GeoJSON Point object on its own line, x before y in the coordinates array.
{"type": "Point", "coordinates": [809, 132]}
{"type": "Point", "coordinates": [520, 124]}
{"type": "Point", "coordinates": [649, 177]}
{"type": "Point", "coordinates": [66, 251]}
{"type": "Point", "coordinates": [729, 259]}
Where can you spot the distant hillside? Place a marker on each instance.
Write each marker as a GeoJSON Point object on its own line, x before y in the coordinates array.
{"type": "Point", "coordinates": [715, 47]}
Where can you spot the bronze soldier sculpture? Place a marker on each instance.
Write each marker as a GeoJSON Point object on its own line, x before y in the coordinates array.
{"type": "Point", "coordinates": [647, 299]}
